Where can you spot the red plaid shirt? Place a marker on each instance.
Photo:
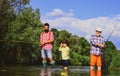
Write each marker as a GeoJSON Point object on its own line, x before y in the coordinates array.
{"type": "Point", "coordinates": [45, 37]}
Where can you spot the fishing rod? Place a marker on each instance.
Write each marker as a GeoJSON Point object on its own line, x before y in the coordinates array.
{"type": "Point", "coordinates": [106, 63]}
{"type": "Point", "coordinates": [14, 41]}
{"type": "Point", "coordinates": [112, 32]}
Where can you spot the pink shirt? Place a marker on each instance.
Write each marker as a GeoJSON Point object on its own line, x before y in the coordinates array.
{"type": "Point", "coordinates": [45, 37]}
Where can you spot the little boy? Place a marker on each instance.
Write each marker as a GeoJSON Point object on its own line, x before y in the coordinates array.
{"type": "Point", "coordinates": [65, 54]}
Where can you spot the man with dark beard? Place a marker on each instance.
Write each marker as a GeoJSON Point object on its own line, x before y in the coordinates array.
{"type": "Point", "coordinates": [46, 40]}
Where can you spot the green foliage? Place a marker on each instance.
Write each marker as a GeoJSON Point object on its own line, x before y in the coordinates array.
{"type": "Point", "coordinates": [110, 56]}
{"type": "Point", "coordinates": [115, 64]}
{"type": "Point", "coordinates": [113, 55]}
{"type": "Point", "coordinates": [26, 27]}
{"type": "Point", "coordinates": [75, 58]}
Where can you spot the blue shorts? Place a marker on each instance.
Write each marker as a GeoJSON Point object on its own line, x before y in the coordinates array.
{"type": "Point", "coordinates": [46, 53]}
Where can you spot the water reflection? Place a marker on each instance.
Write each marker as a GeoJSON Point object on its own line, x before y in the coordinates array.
{"type": "Point", "coordinates": [38, 71]}
{"type": "Point", "coordinates": [64, 73]}
{"type": "Point", "coordinates": [49, 72]}
{"type": "Point", "coordinates": [95, 73]}
{"type": "Point", "coordinates": [46, 72]}
{"type": "Point", "coordinates": [60, 72]}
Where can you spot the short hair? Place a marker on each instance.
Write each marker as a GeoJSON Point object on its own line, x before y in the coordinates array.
{"type": "Point", "coordinates": [65, 42]}
{"type": "Point", "coordinates": [46, 24]}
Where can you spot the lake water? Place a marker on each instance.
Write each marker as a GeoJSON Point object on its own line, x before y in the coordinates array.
{"type": "Point", "coordinates": [36, 70]}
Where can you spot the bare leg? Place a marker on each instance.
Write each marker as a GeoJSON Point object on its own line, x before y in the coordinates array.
{"type": "Point", "coordinates": [65, 68]}
{"type": "Point", "coordinates": [91, 67]}
{"type": "Point", "coordinates": [99, 67]}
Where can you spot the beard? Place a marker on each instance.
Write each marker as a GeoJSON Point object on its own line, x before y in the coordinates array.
{"type": "Point", "coordinates": [46, 31]}
{"type": "Point", "coordinates": [98, 35]}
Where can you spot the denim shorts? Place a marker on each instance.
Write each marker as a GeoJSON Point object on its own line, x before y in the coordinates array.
{"type": "Point", "coordinates": [46, 53]}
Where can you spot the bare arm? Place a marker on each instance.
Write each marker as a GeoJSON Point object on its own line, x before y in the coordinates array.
{"type": "Point", "coordinates": [60, 47]}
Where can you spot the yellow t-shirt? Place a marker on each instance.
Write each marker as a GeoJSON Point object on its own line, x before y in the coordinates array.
{"type": "Point", "coordinates": [65, 53]}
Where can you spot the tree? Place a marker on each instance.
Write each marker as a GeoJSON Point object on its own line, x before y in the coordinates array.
{"type": "Point", "coordinates": [26, 28]}
{"type": "Point", "coordinates": [7, 15]}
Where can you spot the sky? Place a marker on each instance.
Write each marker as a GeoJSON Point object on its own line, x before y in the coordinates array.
{"type": "Point", "coordinates": [82, 17]}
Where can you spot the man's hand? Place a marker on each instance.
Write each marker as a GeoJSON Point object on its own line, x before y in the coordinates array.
{"type": "Point", "coordinates": [47, 42]}
{"type": "Point", "coordinates": [101, 45]}
{"type": "Point", "coordinates": [42, 43]}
